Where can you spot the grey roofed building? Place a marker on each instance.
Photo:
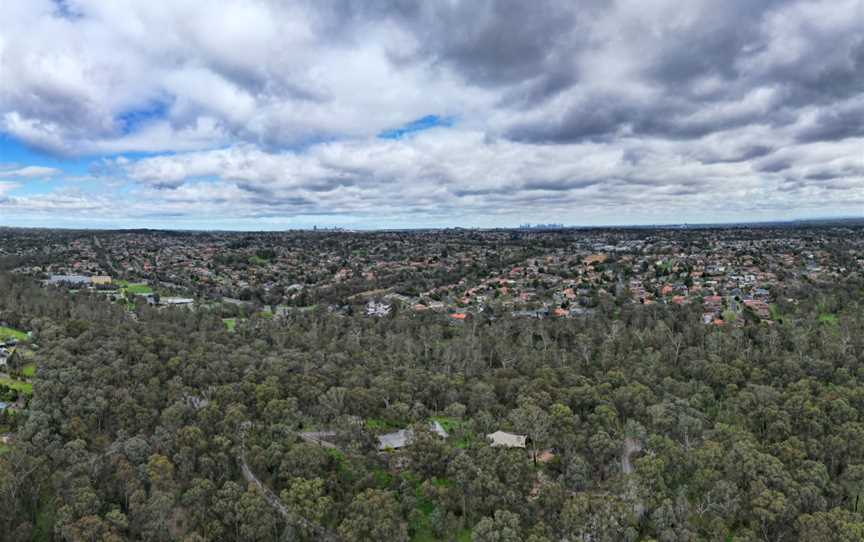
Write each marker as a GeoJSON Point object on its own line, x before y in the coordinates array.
{"type": "Point", "coordinates": [176, 301]}
{"type": "Point", "coordinates": [438, 429]}
{"type": "Point", "coordinates": [68, 279]}
{"type": "Point", "coordinates": [3, 406]}
{"type": "Point", "coordinates": [403, 437]}
{"type": "Point", "coordinates": [396, 440]}
{"type": "Point", "coordinates": [506, 440]}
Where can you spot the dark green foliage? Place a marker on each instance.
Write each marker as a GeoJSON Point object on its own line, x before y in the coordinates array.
{"type": "Point", "coordinates": [136, 427]}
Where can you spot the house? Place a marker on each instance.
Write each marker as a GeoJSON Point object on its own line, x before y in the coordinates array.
{"type": "Point", "coordinates": [501, 439]}
{"type": "Point", "coordinates": [176, 301]}
{"type": "Point", "coordinates": [378, 310]}
{"type": "Point", "coordinates": [402, 438]}
{"type": "Point", "coordinates": [759, 307]}
{"type": "Point", "coordinates": [78, 280]}
{"type": "Point", "coordinates": [100, 280]}
{"type": "Point", "coordinates": [396, 440]}
{"type": "Point", "coordinates": [438, 429]}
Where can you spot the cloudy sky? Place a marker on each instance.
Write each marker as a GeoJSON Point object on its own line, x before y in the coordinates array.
{"type": "Point", "coordinates": [270, 114]}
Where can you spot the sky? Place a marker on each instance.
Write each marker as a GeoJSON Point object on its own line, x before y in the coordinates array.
{"type": "Point", "coordinates": [278, 114]}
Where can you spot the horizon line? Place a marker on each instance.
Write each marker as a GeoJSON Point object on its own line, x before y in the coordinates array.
{"type": "Point", "coordinates": [530, 227]}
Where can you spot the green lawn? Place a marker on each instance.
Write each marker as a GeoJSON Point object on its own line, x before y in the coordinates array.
{"type": "Point", "coordinates": [377, 423]}
{"type": "Point", "coordinates": [453, 425]}
{"type": "Point", "coordinates": [258, 260]}
{"type": "Point", "coordinates": [422, 529]}
{"type": "Point", "coordinates": [230, 323]}
{"type": "Point", "coordinates": [23, 387]}
{"type": "Point", "coordinates": [4, 449]}
{"type": "Point", "coordinates": [775, 311]}
{"type": "Point", "coordinates": [136, 289]}
{"type": "Point", "coordinates": [826, 318]}
{"type": "Point", "coordinates": [9, 333]}
{"type": "Point", "coordinates": [29, 370]}
{"type": "Point", "coordinates": [383, 479]}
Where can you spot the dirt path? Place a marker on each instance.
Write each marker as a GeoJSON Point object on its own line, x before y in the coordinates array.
{"type": "Point", "coordinates": [319, 438]}
{"type": "Point", "coordinates": [291, 519]}
{"type": "Point", "coordinates": [631, 446]}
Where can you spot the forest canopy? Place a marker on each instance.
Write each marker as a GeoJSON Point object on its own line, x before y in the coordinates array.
{"type": "Point", "coordinates": [641, 423]}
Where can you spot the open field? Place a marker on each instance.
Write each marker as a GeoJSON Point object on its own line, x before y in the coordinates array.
{"type": "Point", "coordinates": [827, 318]}
{"type": "Point", "coordinates": [23, 387]}
{"type": "Point", "coordinates": [9, 333]}
{"type": "Point", "coordinates": [136, 289]}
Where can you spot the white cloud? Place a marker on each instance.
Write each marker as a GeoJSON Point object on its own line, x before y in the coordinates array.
{"type": "Point", "coordinates": [270, 107]}
{"type": "Point", "coordinates": [29, 171]}
{"type": "Point", "coordinates": [7, 187]}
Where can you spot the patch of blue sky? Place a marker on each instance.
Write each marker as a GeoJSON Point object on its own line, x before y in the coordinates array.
{"type": "Point", "coordinates": [131, 120]}
{"type": "Point", "coordinates": [64, 10]}
{"type": "Point", "coordinates": [424, 123]}
{"type": "Point", "coordinates": [15, 154]}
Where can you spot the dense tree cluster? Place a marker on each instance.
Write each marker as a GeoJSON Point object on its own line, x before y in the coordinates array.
{"type": "Point", "coordinates": [649, 425]}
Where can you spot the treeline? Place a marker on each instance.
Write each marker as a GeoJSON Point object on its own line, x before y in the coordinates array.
{"type": "Point", "coordinates": [643, 425]}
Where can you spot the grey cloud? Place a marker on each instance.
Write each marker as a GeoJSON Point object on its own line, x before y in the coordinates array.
{"type": "Point", "coordinates": [561, 185]}
{"type": "Point", "coordinates": [711, 156]}
{"type": "Point", "coordinates": [773, 164]}
{"type": "Point", "coordinates": [710, 45]}
{"type": "Point", "coordinates": [491, 42]}
{"type": "Point", "coordinates": [840, 122]}
{"type": "Point", "coordinates": [274, 106]}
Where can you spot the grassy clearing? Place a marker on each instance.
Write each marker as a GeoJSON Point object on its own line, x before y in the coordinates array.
{"type": "Point", "coordinates": [379, 424]}
{"type": "Point", "coordinates": [9, 333]}
{"type": "Point", "coordinates": [449, 424]}
{"type": "Point", "coordinates": [230, 323]}
{"type": "Point", "coordinates": [258, 260]}
{"type": "Point", "coordinates": [136, 289]}
{"type": "Point", "coordinates": [383, 479]}
{"type": "Point", "coordinates": [336, 454]}
{"type": "Point", "coordinates": [4, 449]}
{"type": "Point", "coordinates": [421, 527]}
{"type": "Point", "coordinates": [29, 370]}
{"type": "Point", "coordinates": [455, 426]}
{"type": "Point", "coordinates": [22, 387]}
{"type": "Point", "coordinates": [826, 318]}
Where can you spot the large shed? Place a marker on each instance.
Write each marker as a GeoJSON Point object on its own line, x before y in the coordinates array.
{"type": "Point", "coordinates": [503, 439]}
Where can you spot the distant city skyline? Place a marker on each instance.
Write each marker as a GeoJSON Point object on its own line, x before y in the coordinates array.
{"type": "Point", "coordinates": [272, 115]}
